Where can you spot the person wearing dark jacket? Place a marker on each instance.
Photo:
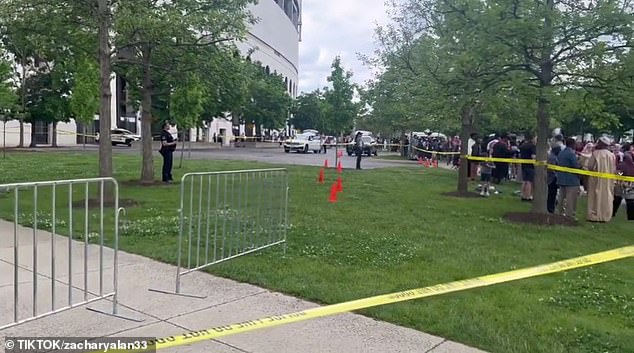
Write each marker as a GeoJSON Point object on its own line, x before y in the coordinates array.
{"type": "Point", "coordinates": [502, 149]}
{"type": "Point", "coordinates": [553, 159]}
{"type": "Point", "coordinates": [568, 182]}
{"type": "Point", "coordinates": [168, 146]}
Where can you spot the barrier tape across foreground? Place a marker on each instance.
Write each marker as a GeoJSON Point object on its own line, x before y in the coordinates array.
{"type": "Point", "coordinates": [554, 167]}
{"type": "Point", "coordinates": [272, 321]}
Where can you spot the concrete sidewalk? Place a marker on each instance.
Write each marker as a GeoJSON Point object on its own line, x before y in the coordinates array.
{"type": "Point", "coordinates": [164, 315]}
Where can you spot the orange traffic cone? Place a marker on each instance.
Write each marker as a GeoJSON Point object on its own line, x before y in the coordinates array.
{"type": "Point", "coordinates": [321, 178]}
{"type": "Point", "coordinates": [339, 184]}
{"type": "Point", "coordinates": [333, 193]}
{"type": "Point", "coordinates": [339, 167]}
{"type": "Point", "coordinates": [326, 164]}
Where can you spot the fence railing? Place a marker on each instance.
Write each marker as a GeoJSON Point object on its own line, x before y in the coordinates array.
{"type": "Point", "coordinates": [224, 215]}
{"type": "Point", "coordinates": [87, 210]}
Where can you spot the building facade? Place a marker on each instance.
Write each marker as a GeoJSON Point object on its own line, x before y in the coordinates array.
{"type": "Point", "coordinates": [273, 41]}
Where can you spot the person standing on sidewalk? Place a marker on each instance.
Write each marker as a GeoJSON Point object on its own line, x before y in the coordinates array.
{"type": "Point", "coordinates": [168, 146]}
{"type": "Point", "coordinates": [568, 183]}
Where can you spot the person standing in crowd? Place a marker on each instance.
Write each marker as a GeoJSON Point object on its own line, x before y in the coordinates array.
{"type": "Point", "coordinates": [528, 150]}
{"type": "Point", "coordinates": [625, 189]}
{"type": "Point", "coordinates": [502, 149]}
{"type": "Point", "coordinates": [358, 148]}
{"type": "Point", "coordinates": [601, 190]}
{"type": "Point", "coordinates": [168, 146]}
{"type": "Point", "coordinates": [486, 169]}
{"type": "Point", "coordinates": [568, 182]}
{"type": "Point", "coordinates": [553, 159]}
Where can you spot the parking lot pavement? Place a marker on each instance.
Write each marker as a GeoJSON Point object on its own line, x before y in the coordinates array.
{"type": "Point", "coordinates": [269, 154]}
{"type": "Point", "coordinates": [277, 156]}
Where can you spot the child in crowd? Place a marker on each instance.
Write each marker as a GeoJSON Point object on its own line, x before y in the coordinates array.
{"type": "Point", "coordinates": [486, 169]}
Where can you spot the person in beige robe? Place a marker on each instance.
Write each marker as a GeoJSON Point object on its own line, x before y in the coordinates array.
{"type": "Point", "coordinates": [601, 190]}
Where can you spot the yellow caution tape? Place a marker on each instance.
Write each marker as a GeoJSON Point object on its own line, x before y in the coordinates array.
{"type": "Point", "coordinates": [555, 167]}
{"type": "Point", "coordinates": [277, 320]}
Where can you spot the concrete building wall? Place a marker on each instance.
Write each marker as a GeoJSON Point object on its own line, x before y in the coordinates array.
{"type": "Point", "coordinates": [274, 42]}
{"type": "Point", "coordinates": [274, 39]}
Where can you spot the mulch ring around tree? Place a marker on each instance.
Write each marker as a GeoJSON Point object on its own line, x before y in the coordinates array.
{"type": "Point", "coordinates": [540, 219]}
{"type": "Point", "coordinates": [96, 203]}
{"type": "Point", "coordinates": [464, 195]}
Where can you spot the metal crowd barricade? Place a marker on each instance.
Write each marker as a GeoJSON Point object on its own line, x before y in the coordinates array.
{"type": "Point", "coordinates": [225, 215]}
{"type": "Point", "coordinates": [72, 212]}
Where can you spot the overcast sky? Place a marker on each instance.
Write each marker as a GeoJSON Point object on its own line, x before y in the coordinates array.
{"type": "Point", "coordinates": [336, 27]}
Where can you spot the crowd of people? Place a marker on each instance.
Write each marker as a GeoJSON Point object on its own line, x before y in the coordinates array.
{"type": "Point", "coordinates": [604, 195]}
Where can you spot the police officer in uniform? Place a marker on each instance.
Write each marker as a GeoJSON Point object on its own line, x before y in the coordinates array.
{"type": "Point", "coordinates": [168, 146]}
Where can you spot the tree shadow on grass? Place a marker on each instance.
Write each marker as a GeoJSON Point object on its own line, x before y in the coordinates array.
{"type": "Point", "coordinates": [540, 219]}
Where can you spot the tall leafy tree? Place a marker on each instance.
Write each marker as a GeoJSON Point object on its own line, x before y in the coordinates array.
{"type": "Point", "coordinates": [84, 100]}
{"type": "Point", "coordinates": [8, 97]}
{"type": "Point", "coordinates": [309, 111]}
{"type": "Point", "coordinates": [186, 105]}
{"type": "Point", "coordinates": [155, 39]}
{"type": "Point", "coordinates": [66, 29]}
{"type": "Point", "coordinates": [268, 104]}
{"type": "Point", "coordinates": [557, 44]}
{"type": "Point", "coordinates": [437, 61]}
{"type": "Point", "coordinates": [341, 109]}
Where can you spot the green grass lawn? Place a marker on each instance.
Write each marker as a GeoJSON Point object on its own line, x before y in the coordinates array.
{"type": "Point", "coordinates": [393, 230]}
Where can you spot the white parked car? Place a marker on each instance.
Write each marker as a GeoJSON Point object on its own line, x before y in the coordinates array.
{"type": "Point", "coordinates": [303, 143]}
{"type": "Point", "coordinates": [121, 137]}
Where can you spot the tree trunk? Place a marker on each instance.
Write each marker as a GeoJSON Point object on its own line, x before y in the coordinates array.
{"type": "Point", "coordinates": [54, 132]}
{"type": "Point", "coordinates": [21, 143]}
{"type": "Point", "coordinates": [540, 193]}
{"type": "Point", "coordinates": [23, 83]}
{"type": "Point", "coordinates": [180, 165]}
{"type": "Point", "coordinates": [543, 130]}
{"type": "Point", "coordinates": [33, 135]}
{"type": "Point", "coordinates": [105, 144]}
{"type": "Point", "coordinates": [468, 114]}
{"type": "Point", "coordinates": [85, 132]}
{"type": "Point", "coordinates": [147, 169]}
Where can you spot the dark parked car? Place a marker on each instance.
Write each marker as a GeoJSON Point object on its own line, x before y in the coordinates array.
{"type": "Point", "coordinates": [370, 146]}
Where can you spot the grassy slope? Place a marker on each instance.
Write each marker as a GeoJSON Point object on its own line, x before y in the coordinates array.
{"type": "Point", "coordinates": [392, 230]}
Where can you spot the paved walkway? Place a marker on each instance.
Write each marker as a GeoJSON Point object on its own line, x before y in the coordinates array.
{"type": "Point", "coordinates": [164, 315]}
